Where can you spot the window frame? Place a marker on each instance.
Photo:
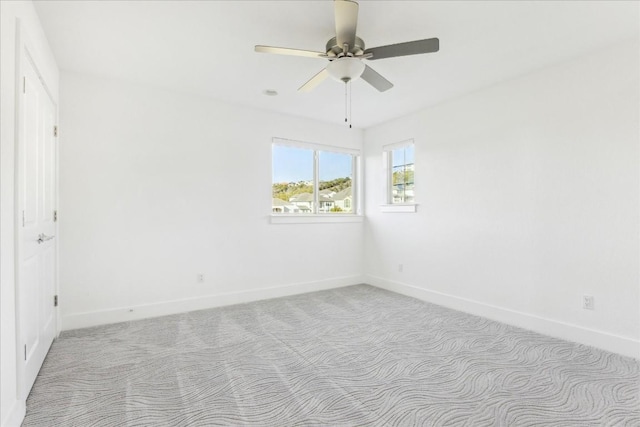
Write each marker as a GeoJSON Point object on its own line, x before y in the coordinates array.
{"type": "Point", "coordinates": [316, 216]}
{"type": "Point", "coordinates": [387, 166]}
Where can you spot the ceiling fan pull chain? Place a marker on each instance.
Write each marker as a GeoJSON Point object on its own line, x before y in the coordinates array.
{"type": "Point", "coordinates": [345, 102]}
{"type": "Point", "coordinates": [350, 104]}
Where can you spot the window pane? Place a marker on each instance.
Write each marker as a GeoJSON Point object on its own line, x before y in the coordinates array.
{"type": "Point", "coordinates": [292, 180]}
{"type": "Point", "coordinates": [402, 161]}
{"type": "Point", "coordinates": [336, 178]}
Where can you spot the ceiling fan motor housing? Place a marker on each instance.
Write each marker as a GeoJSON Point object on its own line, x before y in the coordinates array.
{"type": "Point", "coordinates": [335, 51]}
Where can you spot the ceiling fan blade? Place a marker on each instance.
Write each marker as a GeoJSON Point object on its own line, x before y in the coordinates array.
{"type": "Point", "coordinates": [404, 49]}
{"type": "Point", "coordinates": [288, 51]}
{"type": "Point", "coordinates": [346, 14]}
{"type": "Point", "coordinates": [376, 80]}
{"type": "Point", "coordinates": [314, 81]}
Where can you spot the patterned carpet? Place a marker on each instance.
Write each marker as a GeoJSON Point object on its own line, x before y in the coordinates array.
{"type": "Point", "coordinates": [350, 356]}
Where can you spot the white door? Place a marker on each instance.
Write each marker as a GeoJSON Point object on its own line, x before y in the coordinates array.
{"type": "Point", "coordinates": [36, 223]}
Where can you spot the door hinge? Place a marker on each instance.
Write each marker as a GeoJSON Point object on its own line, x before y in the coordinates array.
{"type": "Point", "coordinates": [23, 218]}
{"type": "Point", "coordinates": [55, 216]}
{"type": "Point", "coordinates": [24, 84]}
{"type": "Point", "coordinates": [55, 300]}
{"type": "Point", "coordinates": [25, 352]}
{"type": "Point", "coordinates": [55, 131]}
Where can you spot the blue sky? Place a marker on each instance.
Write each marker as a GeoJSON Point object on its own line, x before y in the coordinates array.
{"type": "Point", "coordinates": [403, 156]}
{"type": "Point", "coordinates": [292, 164]}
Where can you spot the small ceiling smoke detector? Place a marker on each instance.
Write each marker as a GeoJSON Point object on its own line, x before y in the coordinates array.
{"type": "Point", "coordinates": [270, 92]}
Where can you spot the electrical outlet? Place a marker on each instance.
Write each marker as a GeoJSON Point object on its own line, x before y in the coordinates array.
{"type": "Point", "coordinates": [587, 302]}
{"type": "Point", "coordinates": [400, 268]}
{"type": "Point", "coordinates": [200, 278]}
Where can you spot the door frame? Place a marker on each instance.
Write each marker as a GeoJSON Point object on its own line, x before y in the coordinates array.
{"type": "Point", "coordinates": [26, 51]}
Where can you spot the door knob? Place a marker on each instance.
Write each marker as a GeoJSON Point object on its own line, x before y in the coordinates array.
{"type": "Point", "coordinates": [43, 238]}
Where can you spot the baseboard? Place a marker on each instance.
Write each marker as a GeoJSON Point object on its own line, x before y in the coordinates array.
{"type": "Point", "coordinates": [124, 314]}
{"type": "Point", "coordinates": [15, 415]}
{"type": "Point", "coordinates": [603, 340]}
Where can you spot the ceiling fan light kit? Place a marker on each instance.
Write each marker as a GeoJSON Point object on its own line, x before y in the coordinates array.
{"type": "Point", "coordinates": [346, 69]}
{"type": "Point", "coordinates": [346, 52]}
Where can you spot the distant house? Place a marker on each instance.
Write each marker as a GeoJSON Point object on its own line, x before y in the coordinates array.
{"type": "Point", "coordinates": [281, 206]}
{"type": "Point", "coordinates": [328, 201]}
{"type": "Point", "coordinates": [325, 200]}
{"type": "Point", "coordinates": [344, 200]}
{"type": "Point", "coordinates": [303, 201]}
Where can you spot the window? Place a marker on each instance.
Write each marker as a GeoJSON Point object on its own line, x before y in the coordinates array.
{"type": "Point", "coordinates": [399, 163]}
{"type": "Point", "coordinates": [312, 178]}
{"type": "Point", "coordinates": [402, 167]}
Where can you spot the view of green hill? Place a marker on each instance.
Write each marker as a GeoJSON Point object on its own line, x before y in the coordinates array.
{"type": "Point", "coordinates": [286, 190]}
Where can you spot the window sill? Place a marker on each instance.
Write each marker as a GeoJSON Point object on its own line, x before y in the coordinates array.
{"type": "Point", "coordinates": [315, 218]}
{"type": "Point", "coordinates": [404, 208]}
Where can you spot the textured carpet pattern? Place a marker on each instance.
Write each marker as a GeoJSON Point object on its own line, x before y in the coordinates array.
{"type": "Point", "coordinates": [350, 356]}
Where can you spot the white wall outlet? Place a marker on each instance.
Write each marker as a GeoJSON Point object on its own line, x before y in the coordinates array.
{"type": "Point", "coordinates": [200, 278]}
{"type": "Point", "coordinates": [587, 302]}
{"type": "Point", "coordinates": [400, 268]}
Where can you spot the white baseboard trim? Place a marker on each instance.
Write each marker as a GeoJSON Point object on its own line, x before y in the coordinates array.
{"type": "Point", "coordinates": [125, 314]}
{"type": "Point", "coordinates": [603, 340]}
{"type": "Point", "coordinates": [15, 415]}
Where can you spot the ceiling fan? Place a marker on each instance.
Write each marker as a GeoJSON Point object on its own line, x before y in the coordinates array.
{"type": "Point", "coordinates": [346, 51]}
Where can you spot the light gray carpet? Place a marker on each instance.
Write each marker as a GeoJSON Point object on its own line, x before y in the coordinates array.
{"type": "Point", "coordinates": [350, 356]}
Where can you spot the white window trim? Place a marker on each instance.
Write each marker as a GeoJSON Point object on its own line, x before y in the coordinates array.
{"type": "Point", "coordinates": [396, 145]}
{"type": "Point", "coordinates": [387, 206]}
{"type": "Point", "coordinates": [314, 218]}
{"type": "Point", "coordinates": [314, 146]}
{"type": "Point", "coordinates": [317, 218]}
{"type": "Point", "coordinates": [401, 208]}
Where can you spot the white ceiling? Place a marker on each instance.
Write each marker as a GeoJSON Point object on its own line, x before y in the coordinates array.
{"type": "Point", "coordinates": [206, 47]}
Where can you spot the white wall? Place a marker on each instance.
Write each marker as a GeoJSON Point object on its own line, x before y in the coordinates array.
{"type": "Point", "coordinates": [528, 199]}
{"type": "Point", "coordinates": [16, 18]}
{"type": "Point", "coordinates": [157, 187]}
